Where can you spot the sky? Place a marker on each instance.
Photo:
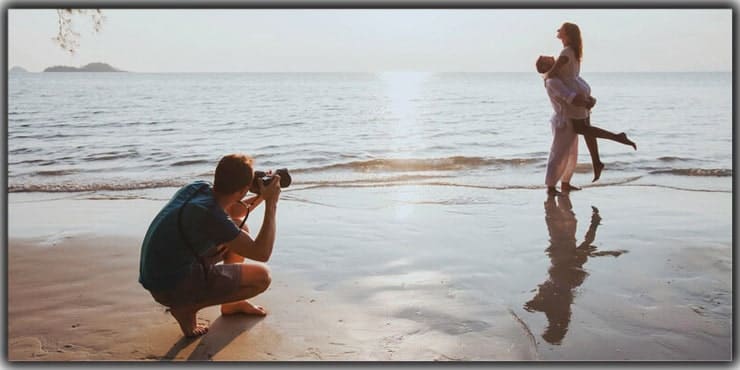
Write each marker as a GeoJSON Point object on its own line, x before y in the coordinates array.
{"type": "Point", "coordinates": [375, 40]}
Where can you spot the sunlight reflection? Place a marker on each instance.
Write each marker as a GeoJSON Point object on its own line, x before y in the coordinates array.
{"type": "Point", "coordinates": [411, 279]}
{"type": "Point", "coordinates": [403, 90]}
{"type": "Point", "coordinates": [404, 93]}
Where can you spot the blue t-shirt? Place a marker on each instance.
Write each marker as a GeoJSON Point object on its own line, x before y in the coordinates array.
{"type": "Point", "coordinates": [165, 257]}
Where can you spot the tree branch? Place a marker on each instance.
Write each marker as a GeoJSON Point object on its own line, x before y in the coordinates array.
{"type": "Point", "coordinates": [66, 37]}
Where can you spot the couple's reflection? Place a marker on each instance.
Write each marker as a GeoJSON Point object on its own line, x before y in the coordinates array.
{"type": "Point", "coordinates": [555, 296]}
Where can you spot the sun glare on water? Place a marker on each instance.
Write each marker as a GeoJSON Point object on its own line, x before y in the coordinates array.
{"type": "Point", "coordinates": [404, 93]}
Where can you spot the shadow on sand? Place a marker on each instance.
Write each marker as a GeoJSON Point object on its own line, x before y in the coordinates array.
{"type": "Point", "coordinates": [220, 333]}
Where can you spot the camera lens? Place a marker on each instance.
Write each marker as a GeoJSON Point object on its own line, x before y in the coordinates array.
{"type": "Point", "coordinates": [285, 179]}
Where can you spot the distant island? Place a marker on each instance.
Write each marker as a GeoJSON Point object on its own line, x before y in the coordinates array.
{"type": "Point", "coordinates": [17, 69]}
{"type": "Point", "coordinates": [92, 67]}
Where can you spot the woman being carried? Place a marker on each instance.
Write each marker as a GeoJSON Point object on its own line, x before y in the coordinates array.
{"type": "Point", "coordinates": [567, 68]}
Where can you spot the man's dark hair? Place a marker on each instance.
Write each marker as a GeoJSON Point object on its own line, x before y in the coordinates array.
{"type": "Point", "coordinates": [543, 64]}
{"type": "Point", "coordinates": [234, 172]}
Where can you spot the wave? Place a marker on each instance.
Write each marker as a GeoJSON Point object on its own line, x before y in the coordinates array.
{"type": "Point", "coordinates": [629, 181]}
{"type": "Point", "coordinates": [25, 151]}
{"type": "Point", "coordinates": [113, 186]}
{"type": "Point", "coordinates": [358, 183]}
{"type": "Point", "coordinates": [190, 162]}
{"type": "Point", "coordinates": [392, 181]}
{"type": "Point", "coordinates": [45, 136]}
{"type": "Point", "coordinates": [451, 171]}
{"type": "Point", "coordinates": [433, 164]}
{"type": "Point", "coordinates": [680, 188]}
{"type": "Point", "coordinates": [377, 184]}
{"type": "Point", "coordinates": [701, 172]}
{"type": "Point", "coordinates": [111, 156]}
{"type": "Point", "coordinates": [39, 162]}
{"type": "Point", "coordinates": [383, 180]}
{"type": "Point", "coordinates": [673, 159]}
{"type": "Point", "coordinates": [55, 172]}
{"type": "Point", "coordinates": [136, 123]}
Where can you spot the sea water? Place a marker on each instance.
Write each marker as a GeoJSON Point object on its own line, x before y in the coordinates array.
{"type": "Point", "coordinates": [101, 132]}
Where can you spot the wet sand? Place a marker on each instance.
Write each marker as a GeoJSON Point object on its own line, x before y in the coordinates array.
{"type": "Point", "coordinates": [78, 299]}
{"type": "Point", "coordinates": [385, 274]}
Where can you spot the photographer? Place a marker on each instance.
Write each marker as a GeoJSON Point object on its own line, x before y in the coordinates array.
{"type": "Point", "coordinates": [202, 225]}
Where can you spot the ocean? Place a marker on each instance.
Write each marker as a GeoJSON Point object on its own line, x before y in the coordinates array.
{"type": "Point", "coordinates": [113, 133]}
{"type": "Point", "coordinates": [418, 198]}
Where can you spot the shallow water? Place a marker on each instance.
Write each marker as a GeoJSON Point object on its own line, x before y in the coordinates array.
{"type": "Point", "coordinates": [90, 132]}
{"type": "Point", "coordinates": [607, 274]}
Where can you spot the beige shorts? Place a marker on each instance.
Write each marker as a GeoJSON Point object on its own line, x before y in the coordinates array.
{"type": "Point", "coordinates": [217, 283]}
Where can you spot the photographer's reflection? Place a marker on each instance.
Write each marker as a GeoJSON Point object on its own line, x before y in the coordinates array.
{"type": "Point", "coordinates": [555, 296]}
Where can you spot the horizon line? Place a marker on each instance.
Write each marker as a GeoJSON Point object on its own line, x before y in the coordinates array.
{"type": "Point", "coordinates": [360, 72]}
{"type": "Point", "coordinates": [75, 69]}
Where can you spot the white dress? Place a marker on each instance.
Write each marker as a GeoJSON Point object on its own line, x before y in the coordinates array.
{"type": "Point", "coordinates": [569, 73]}
{"type": "Point", "coordinates": [563, 158]}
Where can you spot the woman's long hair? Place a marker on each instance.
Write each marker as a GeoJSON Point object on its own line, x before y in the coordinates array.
{"type": "Point", "coordinates": [574, 38]}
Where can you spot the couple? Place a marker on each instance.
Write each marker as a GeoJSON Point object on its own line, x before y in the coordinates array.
{"type": "Point", "coordinates": [571, 100]}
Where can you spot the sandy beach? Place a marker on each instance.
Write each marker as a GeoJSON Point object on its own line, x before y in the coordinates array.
{"type": "Point", "coordinates": [417, 226]}
{"type": "Point", "coordinates": [422, 282]}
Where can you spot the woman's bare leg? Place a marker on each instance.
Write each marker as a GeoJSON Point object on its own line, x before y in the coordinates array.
{"type": "Point", "coordinates": [582, 127]}
{"type": "Point", "coordinates": [604, 134]}
{"type": "Point", "coordinates": [590, 134]}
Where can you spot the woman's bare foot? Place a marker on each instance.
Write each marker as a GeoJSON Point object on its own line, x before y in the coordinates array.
{"type": "Point", "coordinates": [242, 307]}
{"type": "Point", "coordinates": [597, 171]}
{"type": "Point", "coordinates": [186, 318]}
{"type": "Point", "coordinates": [624, 140]}
{"type": "Point", "coordinates": [567, 187]}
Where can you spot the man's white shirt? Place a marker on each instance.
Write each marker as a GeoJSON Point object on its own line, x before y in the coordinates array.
{"type": "Point", "coordinates": [561, 98]}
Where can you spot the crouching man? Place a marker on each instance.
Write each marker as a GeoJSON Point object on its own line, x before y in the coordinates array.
{"type": "Point", "coordinates": [202, 225]}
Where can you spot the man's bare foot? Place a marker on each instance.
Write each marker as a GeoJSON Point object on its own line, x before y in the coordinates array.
{"type": "Point", "coordinates": [186, 318]}
{"type": "Point", "coordinates": [624, 140]}
{"type": "Point", "coordinates": [567, 187]}
{"type": "Point", "coordinates": [597, 171]}
{"type": "Point", "coordinates": [242, 307]}
{"type": "Point", "coordinates": [552, 191]}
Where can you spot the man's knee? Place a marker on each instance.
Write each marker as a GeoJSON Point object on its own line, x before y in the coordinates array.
{"type": "Point", "coordinates": [257, 275]}
{"type": "Point", "coordinates": [266, 277]}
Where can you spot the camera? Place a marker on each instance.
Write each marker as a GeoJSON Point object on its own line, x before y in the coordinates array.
{"type": "Point", "coordinates": [285, 179]}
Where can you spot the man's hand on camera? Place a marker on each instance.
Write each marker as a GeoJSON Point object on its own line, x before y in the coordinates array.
{"type": "Point", "coordinates": [271, 192]}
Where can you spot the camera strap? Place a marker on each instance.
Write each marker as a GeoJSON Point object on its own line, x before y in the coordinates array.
{"type": "Point", "coordinates": [246, 215]}
{"type": "Point", "coordinates": [200, 259]}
